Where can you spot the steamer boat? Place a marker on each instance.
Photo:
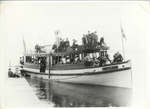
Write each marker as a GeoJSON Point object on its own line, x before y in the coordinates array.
{"type": "Point", "coordinates": [88, 63]}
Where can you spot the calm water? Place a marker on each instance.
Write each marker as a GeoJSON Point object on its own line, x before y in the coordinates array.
{"type": "Point", "coordinates": [73, 95]}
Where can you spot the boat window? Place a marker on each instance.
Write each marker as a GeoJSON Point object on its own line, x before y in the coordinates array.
{"type": "Point", "coordinates": [32, 59]}
{"type": "Point", "coordinates": [28, 59]}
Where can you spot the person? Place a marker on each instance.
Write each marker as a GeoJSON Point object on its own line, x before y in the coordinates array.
{"type": "Point", "coordinates": [43, 65]}
{"type": "Point", "coordinates": [117, 57]}
{"type": "Point", "coordinates": [10, 73]}
{"type": "Point", "coordinates": [108, 59]}
{"type": "Point", "coordinates": [88, 61]}
{"type": "Point", "coordinates": [95, 62]}
{"type": "Point", "coordinates": [16, 74]}
{"type": "Point", "coordinates": [76, 59]}
{"type": "Point", "coordinates": [21, 60]}
{"type": "Point", "coordinates": [102, 42]}
{"type": "Point", "coordinates": [102, 60]}
{"type": "Point", "coordinates": [63, 60]}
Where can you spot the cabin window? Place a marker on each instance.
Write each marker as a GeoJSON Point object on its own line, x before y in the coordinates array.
{"type": "Point", "coordinates": [32, 59]}
{"type": "Point", "coordinates": [28, 59]}
{"type": "Point", "coordinates": [103, 53]}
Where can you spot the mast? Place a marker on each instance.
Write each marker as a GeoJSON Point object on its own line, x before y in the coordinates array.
{"type": "Point", "coordinates": [24, 45]}
{"type": "Point", "coordinates": [123, 49]}
{"type": "Point", "coordinates": [57, 35]}
{"type": "Point", "coordinates": [49, 66]}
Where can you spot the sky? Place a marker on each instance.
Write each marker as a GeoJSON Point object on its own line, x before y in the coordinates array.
{"type": "Point", "coordinates": [37, 22]}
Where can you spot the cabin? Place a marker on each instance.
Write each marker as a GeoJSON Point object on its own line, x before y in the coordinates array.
{"type": "Point", "coordinates": [72, 59]}
{"type": "Point", "coordinates": [65, 57]}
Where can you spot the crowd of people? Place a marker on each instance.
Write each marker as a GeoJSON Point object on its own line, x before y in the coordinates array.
{"type": "Point", "coordinates": [77, 59]}
{"type": "Point", "coordinates": [103, 60]}
{"type": "Point", "coordinates": [89, 60]}
{"type": "Point", "coordinates": [117, 57]}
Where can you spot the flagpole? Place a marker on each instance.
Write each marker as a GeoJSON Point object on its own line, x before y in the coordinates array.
{"type": "Point", "coordinates": [57, 42]}
{"type": "Point", "coordinates": [123, 48]}
{"type": "Point", "coordinates": [24, 45]}
{"type": "Point", "coordinates": [122, 39]}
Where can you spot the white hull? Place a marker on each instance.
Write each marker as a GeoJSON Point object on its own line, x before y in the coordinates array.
{"type": "Point", "coordinates": [94, 76]}
{"type": "Point", "coordinates": [117, 79]}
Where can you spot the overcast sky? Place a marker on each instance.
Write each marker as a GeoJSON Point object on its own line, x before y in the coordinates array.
{"type": "Point", "coordinates": [37, 22]}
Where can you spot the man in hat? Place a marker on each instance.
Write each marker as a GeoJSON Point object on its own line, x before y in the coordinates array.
{"type": "Point", "coordinates": [10, 73]}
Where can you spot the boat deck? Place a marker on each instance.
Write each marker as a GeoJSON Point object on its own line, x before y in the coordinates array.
{"type": "Point", "coordinates": [59, 66]}
{"type": "Point", "coordinates": [68, 66]}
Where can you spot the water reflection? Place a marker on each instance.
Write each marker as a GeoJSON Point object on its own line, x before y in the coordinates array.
{"type": "Point", "coordinates": [73, 95]}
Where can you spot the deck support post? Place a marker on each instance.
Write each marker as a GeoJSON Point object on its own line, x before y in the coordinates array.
{"type": "Point", "coordinates": [49, 66]}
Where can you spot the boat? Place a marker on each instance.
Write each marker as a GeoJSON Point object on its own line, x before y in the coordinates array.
{"type": "Point", "coordinates": [80, 69]}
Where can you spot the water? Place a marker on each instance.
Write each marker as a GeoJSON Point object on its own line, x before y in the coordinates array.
{"type": "Point", "coordinates": [73, 95]}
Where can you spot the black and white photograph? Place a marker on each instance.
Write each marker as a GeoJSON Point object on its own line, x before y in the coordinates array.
{"type": "Point", "coordinates": [74, 54]}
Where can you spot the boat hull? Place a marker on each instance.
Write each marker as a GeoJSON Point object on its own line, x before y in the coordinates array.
{"type": "Point", "coordinates": [120, 77]}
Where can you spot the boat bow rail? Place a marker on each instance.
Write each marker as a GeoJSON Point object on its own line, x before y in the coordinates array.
{"type": "Point", "coordinates": [105, 69]}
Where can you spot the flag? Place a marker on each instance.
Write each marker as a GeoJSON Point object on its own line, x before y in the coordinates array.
{"type": "Point", "coordinates": [57, 33]}
{"type": "Point", "coordinates": [122, 32]}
